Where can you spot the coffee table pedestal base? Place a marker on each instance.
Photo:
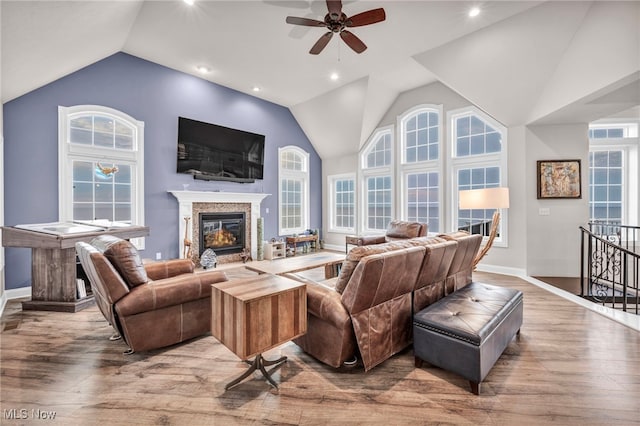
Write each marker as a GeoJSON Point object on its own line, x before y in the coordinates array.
{"type": "Point", "coordinates": [258, 363]}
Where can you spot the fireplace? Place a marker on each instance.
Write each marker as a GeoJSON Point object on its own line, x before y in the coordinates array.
{"type": "Point", "coordinates": [192, 203]}
{"type": "Point", "coordinates": [224, 233]}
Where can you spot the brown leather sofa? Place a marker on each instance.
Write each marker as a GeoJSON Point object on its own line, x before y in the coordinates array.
{"type": "Point", "coordinates": [335, 332]}
{"type": "Point", "coordinates": [462, 264]}
{"type": "Point", "coordinates": [368, 312]}
{"type": "Point", "coordinates": [396, 230]}
{"type": "Point", "coordinates": [151, 305]}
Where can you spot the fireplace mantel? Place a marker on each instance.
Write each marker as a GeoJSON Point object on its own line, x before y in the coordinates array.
{"type": "Point", "coordinates": [185, 209]}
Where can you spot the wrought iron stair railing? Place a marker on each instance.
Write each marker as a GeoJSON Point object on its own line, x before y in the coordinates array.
{"type": "Point", "coordinates": [610, 265]}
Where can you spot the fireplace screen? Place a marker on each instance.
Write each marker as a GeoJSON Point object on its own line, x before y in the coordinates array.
{"type": "Point", "coordinates": [222, 232]}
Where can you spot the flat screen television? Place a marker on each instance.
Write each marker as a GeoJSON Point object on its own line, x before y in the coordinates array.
{"type": "Point", "coordinates": [211, 152]}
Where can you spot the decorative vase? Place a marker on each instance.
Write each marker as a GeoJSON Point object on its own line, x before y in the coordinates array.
{"type": "Point", "coordinates": [208, 259]}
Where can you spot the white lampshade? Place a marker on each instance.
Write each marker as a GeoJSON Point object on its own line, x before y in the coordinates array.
{"type": "Point", "coordinates": [487, 198]}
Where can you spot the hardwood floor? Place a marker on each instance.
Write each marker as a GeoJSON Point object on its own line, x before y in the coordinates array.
{"type": "Point", "coordinates": [570, 366]}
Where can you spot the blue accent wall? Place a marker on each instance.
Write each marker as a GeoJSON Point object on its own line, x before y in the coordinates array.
{"type": "Point", "coordinates": [157, 96]}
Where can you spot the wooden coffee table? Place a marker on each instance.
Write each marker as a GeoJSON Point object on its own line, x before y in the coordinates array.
{"type": "Point", "coordinates": [298, 264]}
{"type": "Point", "coordinates": [251, 316]}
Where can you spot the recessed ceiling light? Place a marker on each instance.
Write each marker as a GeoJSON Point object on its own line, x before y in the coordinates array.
{"type": "Point", "coordinates": [475, 11]}
{"type": "Point", "coordinates": [256, 89]}
{"type": "Point", "coordinates": [189, 2]}
{"type": "Point", "coordinates": [334, 76]}
{"type": "Point", "coordinates": [203, 70]}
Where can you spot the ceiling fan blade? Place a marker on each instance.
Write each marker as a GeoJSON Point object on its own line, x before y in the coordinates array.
{"type": "Point", "coordinates": [353, 42]}
{"type": "Point", "coordinates": [366, 18]}
{"type": "Point", "coordinates": [335, 7]}
{"type": "Point", "coordinates": [305, 21]}
{"type": "Point", "coordinates": [321, 43]}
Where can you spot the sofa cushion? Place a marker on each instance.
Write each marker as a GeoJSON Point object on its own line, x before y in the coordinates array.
{"type": "Point", "coordinates": [357, 253]}
{"type": "Point", "coordinates": [124, 257]}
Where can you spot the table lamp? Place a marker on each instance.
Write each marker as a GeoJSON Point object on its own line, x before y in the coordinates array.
{"type": "Point", "coordinates": [487, 198]}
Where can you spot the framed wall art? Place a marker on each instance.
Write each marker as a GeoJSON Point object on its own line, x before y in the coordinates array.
{"type": "Point", "coordinates": [559, 179]}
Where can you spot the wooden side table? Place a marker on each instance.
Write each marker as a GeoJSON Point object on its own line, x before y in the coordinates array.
{"type": "Point", "coordinates": [250, 316]}
{"type": "Point", "coordinates": [293, 241]}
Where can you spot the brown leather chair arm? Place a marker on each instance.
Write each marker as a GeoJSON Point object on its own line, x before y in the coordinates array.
{"type": "Point", "coordinates": [371, 239]}
{"type": "Point", "coordinates": [168, 268]}
{"type": "Point", "coordinates": [324, 303]}
{"type": "Point", "coordinates": [168, 292]}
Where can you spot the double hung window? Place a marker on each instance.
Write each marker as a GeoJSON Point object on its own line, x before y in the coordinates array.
{"type": "Point", "coordinates": [293, 209]}
{"type": "Point", "coordinates": [478, 160]}
{"type": "Point", "coordinates": [613, 173]}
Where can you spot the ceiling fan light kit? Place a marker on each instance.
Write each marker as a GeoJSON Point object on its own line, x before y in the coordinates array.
{"type": "Point", "coordinates": [337, 22]}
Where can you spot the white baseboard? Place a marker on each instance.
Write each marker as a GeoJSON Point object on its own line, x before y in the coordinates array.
{"type": "Point", "coordinates": [14, 293]}
{"type": "Point", "coordinates": [334, 247]}
{"type": "Point", "coordinates": [18, 293]}
{"type": "Point", "coordinates": [502, 270]}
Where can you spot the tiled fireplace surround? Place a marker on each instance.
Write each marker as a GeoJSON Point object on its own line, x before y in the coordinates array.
{"type": "Point", "coordinates": [192, 203]}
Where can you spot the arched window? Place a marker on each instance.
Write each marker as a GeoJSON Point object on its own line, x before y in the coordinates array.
{"type": "Point", "coordinates": [376, 167]}
{"type": "Point", "coordinates": [478, 161]}
{"type": "Point", "coordinates": [419, 130]}
{"type": "Point", "coordinates": [293, 169]}
{"type": "Point", "coordinates": [101, 165]}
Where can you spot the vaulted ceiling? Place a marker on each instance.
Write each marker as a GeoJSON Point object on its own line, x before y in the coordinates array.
{"type": "Point", "coordinates": [522, 62]}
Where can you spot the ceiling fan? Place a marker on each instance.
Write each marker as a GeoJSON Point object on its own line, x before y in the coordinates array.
{"type": "Point", "coordinates": [337, 22]}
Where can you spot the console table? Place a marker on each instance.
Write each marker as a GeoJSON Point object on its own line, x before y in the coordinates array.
{"type": "Point", "coordinates": [53, 265]}
{"type": "Point", "coordinates": [293, 241]}
{"type": "Point", "coordinates": [250, 316]}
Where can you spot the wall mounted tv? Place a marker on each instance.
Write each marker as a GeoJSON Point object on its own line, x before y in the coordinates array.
{"type": "Point", "coordinates": [211, 152]}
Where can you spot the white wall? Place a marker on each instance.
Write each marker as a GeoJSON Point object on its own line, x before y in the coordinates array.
{"type": "Point", "coordinates": [537, 245]}
{"type": "Point", "coordinates": [553, 241]}
{"type": "Point", "coordinates": [334, 166]}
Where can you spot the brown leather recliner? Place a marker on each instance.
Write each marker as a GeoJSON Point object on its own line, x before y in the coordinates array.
{"type": "Point", "coordinates": [151, 305]}
{"type": "Point", "coordinates": [396, 230]}
{"type": "Point", "coordinates": [369, 310]}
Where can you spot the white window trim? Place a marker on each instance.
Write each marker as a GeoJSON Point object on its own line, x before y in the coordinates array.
{"type": "Point", "coordinates": [629, 130]}
{"type": "Point", "coordinates": [405, 168]}
{"type": "Point", "coordinates": [476, 161]}
{"type": "Point", "coordinates": [294, 174]}
{"type": "Point", "coordinates": [630, 163]}
{"type": "Point", "coordinates": [367, 172]}
{"type": "Point", "coordinates": [331, 182]}
{"type": "Point", "coordinates": [67, 151]}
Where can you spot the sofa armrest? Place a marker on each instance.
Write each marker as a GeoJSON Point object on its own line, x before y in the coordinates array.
{"type": "Point", "coordinates": [168, 268]}
{"type": "Point", "coordinates": [325, 304]}
{"type": "Point", "coordinates": [371, 239]}
{"type": "Point", "coordinates": [168, 292]}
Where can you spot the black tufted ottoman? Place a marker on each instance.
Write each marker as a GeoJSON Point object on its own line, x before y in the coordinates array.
{"type": "Point", "coordinates": [467, 331]}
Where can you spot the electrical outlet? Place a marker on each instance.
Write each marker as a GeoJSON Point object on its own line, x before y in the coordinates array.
{"type": "Point", "coordinates": [158, 255]}
{"type": "Point", "coordinates": [544, 212]}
